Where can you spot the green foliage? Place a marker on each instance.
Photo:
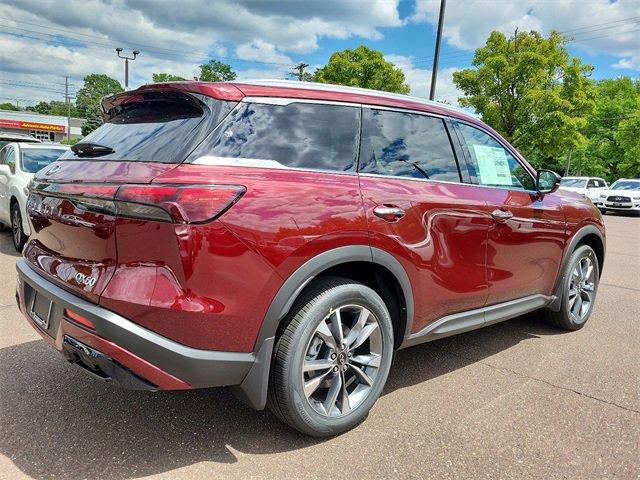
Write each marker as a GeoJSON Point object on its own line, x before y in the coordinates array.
{"type": "Point", "coordinates": [216, 71]}
{"type": "Point", "coordinates": [9, 106]}
{"type": "Point", "coordinates": [88, 99]}
{"type": "Point", "coordinates": [53, 107]}
{"type": "Point", "coordinates": [362, 67]}
{"type": "Point", "coordinates": [613, 131]}
{"type": "Point", "coordinates": [531, 91]}
{"type": "Point", "coordinates": [165, 77]}
{"type": "Point", "coordinates": [71, 141]}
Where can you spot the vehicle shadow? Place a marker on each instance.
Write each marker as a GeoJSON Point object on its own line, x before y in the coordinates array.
{"type": "Point", "coordinates": [6, 244]}
{"type": "Point", "coordinates": [58, 422]}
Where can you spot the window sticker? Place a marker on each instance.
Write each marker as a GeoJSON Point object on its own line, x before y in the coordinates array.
{"type": "Point", "coordinates": [493, 165]}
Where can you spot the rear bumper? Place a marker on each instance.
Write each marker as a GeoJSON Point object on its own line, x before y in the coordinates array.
{"type": "Point", "coordinates": [123, 350]}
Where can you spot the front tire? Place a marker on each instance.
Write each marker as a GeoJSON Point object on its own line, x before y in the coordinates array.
{"type": "Point", "coordinates": [580, 280]}
{"type": "Point", "coordinates": [17, 233]}
{"type": "Point", "coordinates": [332, 360]}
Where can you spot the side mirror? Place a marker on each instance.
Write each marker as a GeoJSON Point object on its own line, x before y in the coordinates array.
{"type": "Point", "coordinates": [547, 181]}
{"type": "Point", "coordinates": [4, 169]}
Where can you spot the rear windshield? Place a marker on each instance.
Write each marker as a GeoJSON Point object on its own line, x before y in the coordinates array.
{"type": "Point", "coordinates": [33, 160]}
{"type": "Point", "coordinates": [573, 182]}
{"type": "Point", "coordinates": [155, 127]}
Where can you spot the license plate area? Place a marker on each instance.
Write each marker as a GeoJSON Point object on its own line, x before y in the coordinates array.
{"type": "Point", "coordinates": [41, 310]}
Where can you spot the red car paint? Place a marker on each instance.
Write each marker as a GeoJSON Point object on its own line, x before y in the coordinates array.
{"type": "Point", "coordinates": [209, 285]}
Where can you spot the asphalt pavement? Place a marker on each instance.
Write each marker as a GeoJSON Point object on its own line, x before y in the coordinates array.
{"type": "Point", "coordinates": [515, 400]}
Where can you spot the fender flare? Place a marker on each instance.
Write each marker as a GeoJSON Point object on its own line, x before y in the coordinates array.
{"type": "Point", "coordinates": [556, 304]}
{"type": "Point", "coordinates": [253, 389]}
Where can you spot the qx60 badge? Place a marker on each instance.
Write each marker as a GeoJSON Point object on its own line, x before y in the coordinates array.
{"type": "Point", "coordinates": [85, 279]}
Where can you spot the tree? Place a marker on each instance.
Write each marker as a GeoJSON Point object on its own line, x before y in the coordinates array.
{"type": "Point", "coordinates": [529, 89]}
{"type": "Point", "coordinates": [54, 107]}
{"type": "Point", "coordinates": [216, 71]}
{"type": "Point", "coordinates": [613, 132]}
{"type": "Point", "coordinates": [89, 97]}
{"type": "Point", "coordinates": [8, 106]}
{"type": "Point", "coordinates": [362, 67]}
{"type": "Point", "coordinates": [165, 77]}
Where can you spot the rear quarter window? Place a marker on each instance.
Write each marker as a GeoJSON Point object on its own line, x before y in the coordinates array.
{"type": "Point", "coordinates": [297, 135]}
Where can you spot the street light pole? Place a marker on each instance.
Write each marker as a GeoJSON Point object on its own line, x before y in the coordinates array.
{"type": "Point", "coordinates": [126, 64]}
{"type": "Point", "coordinates": [436, 56]}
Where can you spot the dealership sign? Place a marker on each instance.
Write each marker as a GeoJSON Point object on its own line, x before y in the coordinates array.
{"type": "Point", "coordinates": [47, 127]}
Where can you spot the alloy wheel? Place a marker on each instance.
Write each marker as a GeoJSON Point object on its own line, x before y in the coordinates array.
{"type": "Point", "coordinates": [342, 360]}
{"type": "Point", "coordinates": [16, 227]}
{"type": "Point", "coordinates": [582, 289]}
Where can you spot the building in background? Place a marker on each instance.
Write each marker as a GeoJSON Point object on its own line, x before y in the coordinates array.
{"type": "Point", "coordinates": [48, 128]}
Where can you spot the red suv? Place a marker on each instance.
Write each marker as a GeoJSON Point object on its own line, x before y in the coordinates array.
{"type": "Point", "coordinates": [286, 238]}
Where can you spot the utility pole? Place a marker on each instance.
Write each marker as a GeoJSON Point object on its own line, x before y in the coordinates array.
{"type": "Point", "coordinates": [436, 56]}
{"type": "Point", "coordinates": [68, 100]}
{"type": "Point", "coordinates": [298, 70]}
{"type": "Point", "coordinates": [126, 64]}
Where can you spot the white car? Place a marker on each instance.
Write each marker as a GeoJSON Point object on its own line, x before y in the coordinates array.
{"type": "Point", "coordinates": [18, 163]}
{"type": "Point", "coordinates": [622, 196]}
{"type": "Point", "coordinates": [592, 187]}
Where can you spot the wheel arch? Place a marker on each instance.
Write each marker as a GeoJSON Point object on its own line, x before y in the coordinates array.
{"type": "Point", "coordinates": [253, 389]}
{"type": "Point", "coordinates": [587, 235]}
{"type": "Point", "coordinates": [328, 263]}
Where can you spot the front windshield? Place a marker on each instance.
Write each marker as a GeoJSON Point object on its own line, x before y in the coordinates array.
{"type": "Point", "coordinates": [573, 182]}
{"type": "Point", "coordinates": [36, 159]}
{"type": "Point", "coordinates": [625, 185]}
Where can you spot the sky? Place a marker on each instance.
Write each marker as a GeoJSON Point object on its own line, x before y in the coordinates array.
{"type": "Point", "coordinates": [42, 41]}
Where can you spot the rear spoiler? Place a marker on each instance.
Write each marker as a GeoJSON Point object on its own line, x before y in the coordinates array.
{"type": "Point", "coordinates": [219, 91]}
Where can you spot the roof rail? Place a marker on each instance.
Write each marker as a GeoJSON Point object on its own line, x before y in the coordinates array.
{"type": "Point", "coordinates": [341, 88]}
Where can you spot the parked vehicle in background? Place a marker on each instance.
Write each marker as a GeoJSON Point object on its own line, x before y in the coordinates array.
{"type": "Point", "coordinates": [592, 187]}
{"type": "Point", "coordinates": [284, 238]}
{"type": "Point", "coordinates": [18, 163]}
{"type": "Point", "coordinates": [8, 137]}
{"type": "Point", "coordinates": [622, 196]}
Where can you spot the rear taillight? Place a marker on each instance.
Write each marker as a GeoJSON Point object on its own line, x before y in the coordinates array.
{"type": "Point", "coordinates": [167, 203]}
{"type": "Point", "coordinates": [177, 203]}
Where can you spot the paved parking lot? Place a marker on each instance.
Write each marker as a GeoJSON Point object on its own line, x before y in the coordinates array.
{"type": "Point", "coordinates": [515, 400]}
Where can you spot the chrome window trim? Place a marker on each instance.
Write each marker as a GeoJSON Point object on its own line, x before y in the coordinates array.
{"type": "Point", "coordinates": [430, 180]}
{"type": "Point", "coordinates": [213, 160]}
{"type": "Point", "coordinates": [284, 101]}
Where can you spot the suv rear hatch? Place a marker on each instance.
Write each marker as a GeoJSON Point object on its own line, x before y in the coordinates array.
{"type": "Point", "coordinates": [74, 204]}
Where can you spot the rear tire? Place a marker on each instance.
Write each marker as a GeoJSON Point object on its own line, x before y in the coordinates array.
{"type": "Point", "coordinates": [17, 233]}
{"type": "Point", "coordinates": [325, 379]}
{"type": "Point", "coordinates": [579, 281]}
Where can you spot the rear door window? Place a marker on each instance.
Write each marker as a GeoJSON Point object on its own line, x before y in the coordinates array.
{"type": "Point", "coordinates": [491, 164]}
{"type": "Point", "coordinates": [406, 145]}
{"type": "Point", "coordinates": [296, 135]}
{"type": "Point", "coordinates": [156, 127]}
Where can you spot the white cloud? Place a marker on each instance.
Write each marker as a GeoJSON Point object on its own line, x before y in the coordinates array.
{"type": "Point", "coordinates": [419, 79]}
{"type": "Point", "coordinates": [261, 51]}
{"type": "Point", "coordinates": [597, 26]}
{"type": "Point", "coordinates": [47, 39]}
{"type": "Point", "coordinates": [631, 63]}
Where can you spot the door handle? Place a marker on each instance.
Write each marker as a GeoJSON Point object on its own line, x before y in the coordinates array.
{"type": "Point", "coordinates": [388, 213]}
{"type": "Point", "coordinates": [501, 215]}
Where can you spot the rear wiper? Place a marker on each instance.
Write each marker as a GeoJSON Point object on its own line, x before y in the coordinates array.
{"type": "Point", "coordinates": [91, 150]}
